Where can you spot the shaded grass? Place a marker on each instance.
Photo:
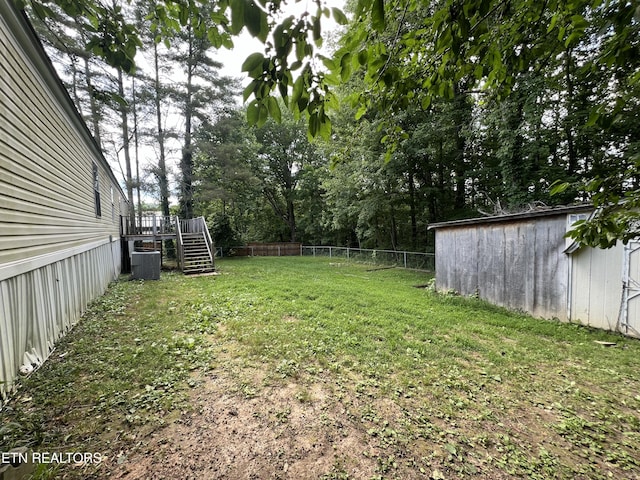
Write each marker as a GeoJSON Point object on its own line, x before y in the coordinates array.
{"type": "Point", "coordinates": [441, 384]}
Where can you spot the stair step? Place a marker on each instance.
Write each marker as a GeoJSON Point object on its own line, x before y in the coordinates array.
{"type": "Point", "coordinates": [197, 257]}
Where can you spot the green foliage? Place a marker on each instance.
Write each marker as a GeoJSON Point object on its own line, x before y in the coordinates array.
{"type": "Point", "coordinates": [529, 92]}
{"type": "Point", "coordinates": [108, 33]}
{"type": "Point", "coordinates": [550, 82]}
{"type": "Point", "coordinates": [223, 233]}
{"type": "Point", "coordinates": [265, 181]}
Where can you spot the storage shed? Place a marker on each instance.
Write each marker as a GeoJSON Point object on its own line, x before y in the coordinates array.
{"type": "Point", "coordinates": [524, 262]}
{"type": "Point", "coordinates": [60, 205]}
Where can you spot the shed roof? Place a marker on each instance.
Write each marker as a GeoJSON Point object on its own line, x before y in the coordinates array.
{"type": "Point", "coordinates": [546, 212]}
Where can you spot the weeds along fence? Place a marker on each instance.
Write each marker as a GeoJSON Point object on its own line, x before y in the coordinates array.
{"type": "Point", "coordinates": [391, 258]}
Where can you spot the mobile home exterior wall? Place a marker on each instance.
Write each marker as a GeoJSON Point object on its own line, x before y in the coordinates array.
{"type": "Point", "coordinates": [60, 205]}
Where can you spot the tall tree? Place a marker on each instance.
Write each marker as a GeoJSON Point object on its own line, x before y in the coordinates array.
{"type": "Point", "coordinates": [66, 36]}
{"type": "Point", "coordinates": [413, 51]}
{"type": "Point", "coordinates": [283, 153]}
{"type": "Point", "coordinates": [124, 124]}
{"type": "Point", "coordinates": [201, 95]}
{"type": "Point", "coordinates": [157, 94]}
{"type": "Point", "coordinates": [227, 189]}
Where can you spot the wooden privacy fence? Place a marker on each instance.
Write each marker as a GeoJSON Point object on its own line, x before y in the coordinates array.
{"type": "Point", "coordinates": [281, 249]}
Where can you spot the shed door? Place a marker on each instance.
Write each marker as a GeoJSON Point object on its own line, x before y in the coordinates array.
{"type": "Point", "coordinates": [629, 321]}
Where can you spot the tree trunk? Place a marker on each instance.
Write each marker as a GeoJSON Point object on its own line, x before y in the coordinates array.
{"type": "Point", "coordinates": [460, 142]}
{"type": "Point", "coordinates": [95, 109]}
{"type": "Point", "coordinates": [162, 163]}
{"type": "Point", "coordinates": [125, 148]}
{"type": "Point", "coordinates": [163, 182]}
{"type": "Point", "coordinates": [186, 162]}
{"type": "Point", "coordinates": [135, 143]}
{"type": "Point", "coordinates": [572, 161]}
{"type": "Point", "coordinates": [412, 207]}
{"type": "Point", "coordinates": [291, 220]}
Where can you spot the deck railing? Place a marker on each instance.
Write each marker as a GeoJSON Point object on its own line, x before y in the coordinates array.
{"type": "Point", "coordinates": [151, 224]}
{"type": "Point", "coordinates": [207, 237]}
{"type": "Point", "coordinates": [180, 252]}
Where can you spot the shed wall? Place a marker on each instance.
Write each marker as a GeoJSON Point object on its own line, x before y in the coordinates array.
{"type": "Point", "coordinates": [631, 324]}
{"type": "Point", "coordinates": [515, 264]}
{"type": "Point", "coordinates": [596, 279]}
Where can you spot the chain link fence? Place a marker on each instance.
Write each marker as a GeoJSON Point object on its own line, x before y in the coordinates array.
{"type": "Point", "coordinates": [391, 258]}
{"type": "Point", "coordinates": [387, 258]}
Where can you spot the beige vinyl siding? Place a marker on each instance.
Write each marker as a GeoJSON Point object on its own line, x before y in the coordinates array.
{"type": "Point", "coordinates": [46, 167]}
{"type": "Point", "coordinates": [55, 254]}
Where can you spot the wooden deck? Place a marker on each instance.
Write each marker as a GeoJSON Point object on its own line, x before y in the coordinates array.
{"type": "Point", "coordinates": [150, 226]}
{"type": "Point", "coordinates": [194, 247]}
{"type": "Point", "coordinates": [149, 237]}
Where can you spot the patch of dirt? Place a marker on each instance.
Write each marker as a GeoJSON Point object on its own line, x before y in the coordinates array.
{"type": "Point", "coordinates": [287, 431]}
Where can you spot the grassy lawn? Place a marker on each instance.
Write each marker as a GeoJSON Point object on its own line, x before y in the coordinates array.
{"type": "Point", "coordinates": [346, 367]}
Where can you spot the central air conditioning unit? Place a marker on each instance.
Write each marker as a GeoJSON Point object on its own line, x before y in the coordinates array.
{"type": "Point", "coordinates": [145, 265]}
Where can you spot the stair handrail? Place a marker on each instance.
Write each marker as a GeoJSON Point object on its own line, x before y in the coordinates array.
{"type": "Point", "coordinates": [179, 242]}
{"type": "Point", "coordinates": [207, 237]}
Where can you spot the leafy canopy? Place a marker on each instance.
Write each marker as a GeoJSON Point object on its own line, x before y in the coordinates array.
{"type": "Point", "coordinates": [456, 46]}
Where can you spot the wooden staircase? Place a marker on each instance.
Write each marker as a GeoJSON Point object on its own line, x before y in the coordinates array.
{"type": "Point", "coordinates": [195, 246]}
{"type": "Point", "coordinates": [197, 258]}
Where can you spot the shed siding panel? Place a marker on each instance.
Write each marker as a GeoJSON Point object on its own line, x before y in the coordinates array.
{"type": "Point", "coordinates": [46, 167]}
{"type": "Point", "coordinates": [467, 261]}
{"type": "Point", "coordinates": [515, 278]}
{"type": "Point", "coordinates": [633, 316]}
{"type": "Point", "coordinates": [445, 260]}
{"type": "Point", "coordinates": [581, 285]}
{"type": "Point", "coordinates": [515, 264]}
{"type": "Point", "coordinates": [491, 268]}
{"type": "Point", "coordinates": [551, 269]}
{"type": "Point", "coordinates": [597, 286]}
